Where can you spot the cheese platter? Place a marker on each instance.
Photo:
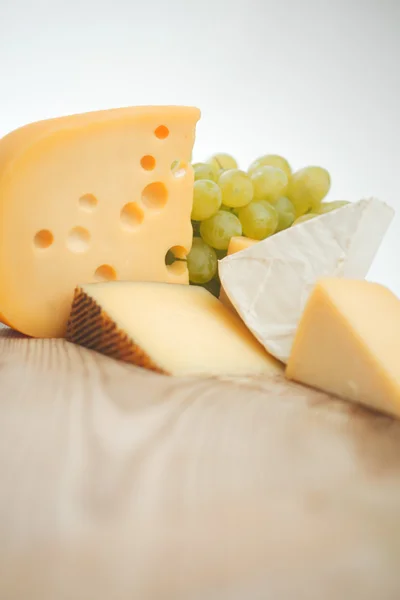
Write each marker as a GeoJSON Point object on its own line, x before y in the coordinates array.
{"type": "Point", "coordinates": [194, 399]}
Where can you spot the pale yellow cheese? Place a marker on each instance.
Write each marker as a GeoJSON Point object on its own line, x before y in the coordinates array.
{"type": "Point", "coordinates": [173, 329]}
{"type": "Point", "coordinates": [91, 197]}
{"type": "Point", "coordinates": [240, 242]}
{"type": "Point", "coordinates": [236, 244]}
{"type": "Point", "coordinates": [348, 343]}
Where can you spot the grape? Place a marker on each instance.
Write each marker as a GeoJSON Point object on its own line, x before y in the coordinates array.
{"type": "Point", "coordinates": [226, 208]}
{"type": "Point", "coordinates": [307, 188]}
{"type": "Point", "coordinates": [218, 230]}
{"type": "Point", "coordinates": [326, 207]}
{"type": "Point", "coordinates": [207, 199]}
{"type": "Point", "coordinates": [236, 188]}
{"type": "Point", "coordinates": [259, 220]}
{"type": "Point", "coordinates": [286, 213]}
{"type": "Point", "coordinates": [223, 161]}
{"type": "Point", "coordinates": [269, 183]}
{"type": "Point", "coordinates": [205, 171]}
{"type": "Point", "coordinates": [201, 262]}
{"type": "Point", "coordinates": [304, 218]}
{"type": "Point", "coordinates": [271, 160]}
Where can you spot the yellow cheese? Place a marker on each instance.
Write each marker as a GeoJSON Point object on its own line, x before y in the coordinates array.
{"type": "Point", "coordinates": [87, 198]}
{"type": "Point", "coordinates": [348, 343]}
{"type": "Point", "coordinates": [236, 244]}
{"type": "Point", "coordinates": [172, 329]}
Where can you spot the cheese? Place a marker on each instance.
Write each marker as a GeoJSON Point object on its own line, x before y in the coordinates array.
{"type": "Point", "coordinates": [238, 243]}
{"type": "Point", "coordinates": [91, 197]}
{"type": "Point", "coordinates": [348, 343]}
{"type": "Point", "coordinates": [172, 329]}
{"type": "Point", "coordinates": [270, 282]}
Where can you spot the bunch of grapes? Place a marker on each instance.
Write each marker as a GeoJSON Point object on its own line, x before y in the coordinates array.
{"type": "Point", "coordinates": [258, 203]}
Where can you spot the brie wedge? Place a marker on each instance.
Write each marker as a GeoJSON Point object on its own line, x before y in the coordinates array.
{"type": "Point", "coordinates": [269, 283]}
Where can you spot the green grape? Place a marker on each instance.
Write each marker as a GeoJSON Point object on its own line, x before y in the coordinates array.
{"type": "Point", "coordinates": [305, 218]}
{"type": "Point", "coordinates": [307, 188]}
{"type": "Point", "coordinates": [201, 262]}
{"type": "Point", "coordinates": [236, 188]}
{"type": "Point", "coordinates": [205, 171]}
{"type": "Point", "coordinates": [207, 199]}
{"type": "Point", "coordinates": [223, 161]}
{"type": "Point", "coordinates": [326, 207]}
{"type": "Point", "coordinates": [286, 213]}
{"type": "Point", "coordinates": [259, 220]}
{"type": "Point", "coordinates": [218, 230]}
{"type": "Point", "coordinates": [269, 183]}
{"type": "Point", "coordinates": [271, 160]}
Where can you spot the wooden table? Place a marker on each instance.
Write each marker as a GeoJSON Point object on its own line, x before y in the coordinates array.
{"type": "Point", "coordinates": [117, 483]}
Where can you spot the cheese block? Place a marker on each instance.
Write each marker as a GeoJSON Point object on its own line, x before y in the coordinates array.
{"type": "Point", "coordinates": [348, 343]}
{"type": "Point", "coordinates": [236, 244]}
{"type": "Point", "coordinates": [91, 197]}
{"type": "Point", "coordinates": [172, 329]}
{"type": "Point", "coordinates": [240, 242]}
{"type": "Point", "coordinates": [270, 282]}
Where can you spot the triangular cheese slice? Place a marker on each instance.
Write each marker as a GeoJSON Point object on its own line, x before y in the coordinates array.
{"type": "Point", "coordinates": [269, 282]}
{"type": "Point", "coordinates": [348, 343]}
{"type": "Point", "coordinates": [170, 328]}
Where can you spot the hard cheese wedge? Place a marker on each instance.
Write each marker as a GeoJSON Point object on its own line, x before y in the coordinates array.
{"type": "Point", "coordinates": [173, 329]}
{"type": "Point", "coordinates": [348, 343]}
{"type": "Point", "coordinates": [270, 282]}
{"type": "Point", "coordinates": [91, 197]}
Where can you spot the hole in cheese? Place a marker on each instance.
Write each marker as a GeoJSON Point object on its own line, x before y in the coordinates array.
{"type": "Point", "coordinates": [148, 162]}
{"type": "Point", "coordinates": [155, 195]}
{"type": "Point", "coordinates": [131, 216]}
{"type": "Point", "coordinates": [175, 260]}
{"type": "Point", "coordinates": [88, 202]}
{"type": "Point", "coordinates": [43, 239]}
{"type": "Point", "coordinates": [177, 252]}
{"type": "Point", "coordinates": [179, 267]}
{"type": "Point", "coordinates": [78, 239]}
{"type": "Point", "coordinates": [105, 273]}
{"type": "Point", "coordinates": [161, 132]}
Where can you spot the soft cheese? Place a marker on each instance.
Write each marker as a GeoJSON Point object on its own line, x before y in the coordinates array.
{"type": "Point", "coordinates": [269, 283]}
{"type": "Point", "coordinates": [348, 343]}
{"type": "Point", "coordinates": [236, 244]}
{"type": "Point", "coordinates": [91, 197]}
{"type": "Point", "coordinates": [172, 329]}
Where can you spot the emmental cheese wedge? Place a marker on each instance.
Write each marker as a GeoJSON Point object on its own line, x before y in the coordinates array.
{"type": "Point", "coordinates": [172, 329]}
{"type": "Point", "coordinates": [348, 343]}
{"type": "Point", "coordinates": [91, 197]}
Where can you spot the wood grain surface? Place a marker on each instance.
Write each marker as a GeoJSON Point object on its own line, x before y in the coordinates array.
{"type": "Point", "coordinates": [117, 483]}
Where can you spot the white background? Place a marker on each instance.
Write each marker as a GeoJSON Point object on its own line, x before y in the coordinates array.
{"type": "Point", "coordinates": [315, 80]}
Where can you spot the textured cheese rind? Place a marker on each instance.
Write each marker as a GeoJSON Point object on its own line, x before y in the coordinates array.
{"type": "Point", "coordinates": [270, 282]}
{"type": "Point", "coordinates": [90, 326]}
{"type": "Point", "coordinates": [348, 343]}
{"type": "Point", "coordinates": [46, 167]}
{"type": "Point", "coordinates": [173, 329]}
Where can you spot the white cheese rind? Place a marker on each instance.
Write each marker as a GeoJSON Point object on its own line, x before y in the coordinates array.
{"type": "Point", "coordinates": [270, 282]}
